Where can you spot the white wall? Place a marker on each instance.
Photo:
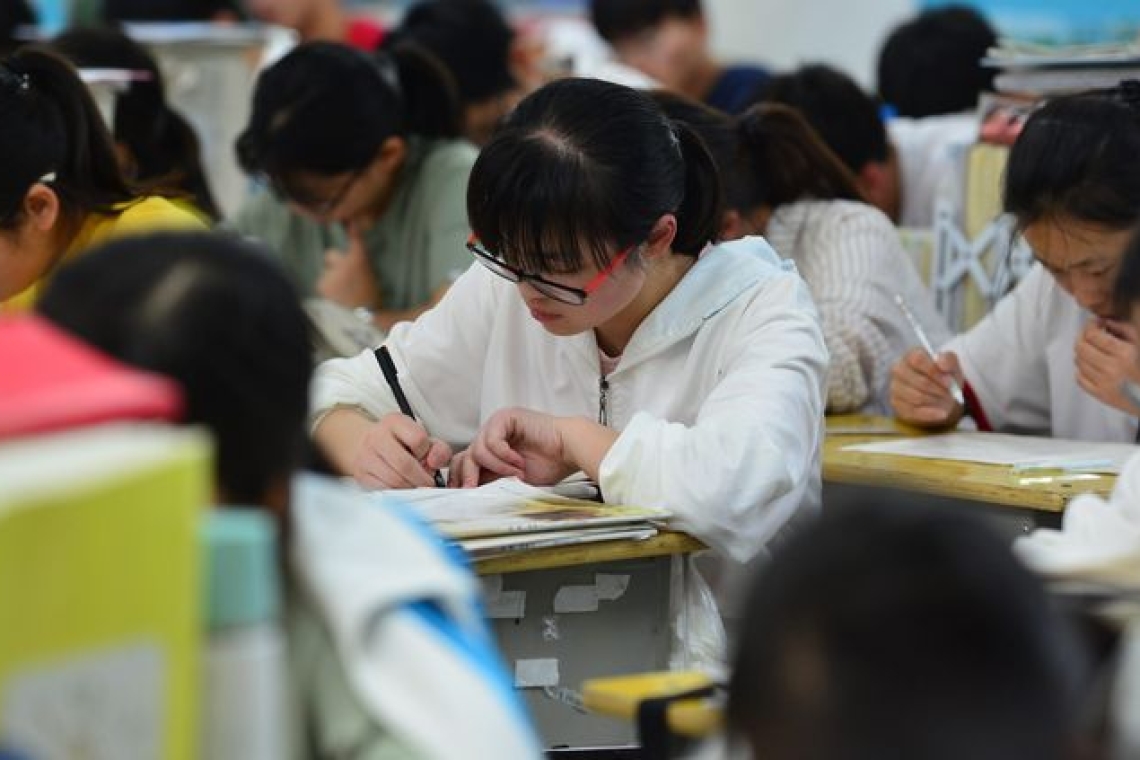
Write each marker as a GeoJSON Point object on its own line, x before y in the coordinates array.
{"type": "Point", "coordinates": [785, 33]}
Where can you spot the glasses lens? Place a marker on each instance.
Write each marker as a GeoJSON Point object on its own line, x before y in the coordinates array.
{"type": "Point", "coordinates": [558, 292]}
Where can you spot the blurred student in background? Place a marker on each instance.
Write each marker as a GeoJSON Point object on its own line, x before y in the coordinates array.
{"type": "Point", "coordinates": [62, 189]}
{"type": "Point", "coordinates": [320, 20]}
{"type": "Point", "coordinates": [367, 173]}
{"type": "Point", "coordinates": [668, 40]}
{"type": "Point", "coordinates": [474, 41]}
{"type": "Point", "coordinates": [171, 10]}
{"type": "Point", "coordinates": [157, 147]}
{"type": "Point", "coordinates": [782, 182]}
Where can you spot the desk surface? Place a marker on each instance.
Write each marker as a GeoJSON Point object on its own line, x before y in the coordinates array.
{"type": "Point", "coordinates": [664, 543]}
{"type": "Point", "coordinates": [992, 484]}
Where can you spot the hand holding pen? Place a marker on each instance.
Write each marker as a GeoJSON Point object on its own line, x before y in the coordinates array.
{"type": "Point", "coordinates": [926, 387]}
{"type": "Point", "coordinates": [405, 455]}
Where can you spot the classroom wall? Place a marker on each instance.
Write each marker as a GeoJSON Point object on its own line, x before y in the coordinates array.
{"type": "Point", "coordinates": [786, 33]}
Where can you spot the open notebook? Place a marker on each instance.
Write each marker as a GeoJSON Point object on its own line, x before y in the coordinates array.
{"type": "Point", "coordinates": [508, 515]}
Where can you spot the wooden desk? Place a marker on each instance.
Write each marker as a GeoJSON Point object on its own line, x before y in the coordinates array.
{"type": "Point", "coordinates": [663, 544]}
{"type": "Point", "coordinates": [967, 481]}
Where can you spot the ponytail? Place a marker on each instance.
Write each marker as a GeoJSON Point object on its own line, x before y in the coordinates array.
{"type": "Point", "coordinates": [699, 215]}
{"type": "Point", "coordinates": [431, 101]}
{"type": "Point", "coordinates": [49, 125]}
{"type": "Point", "coordinates": [783, 160]}
{"type": "Point", "coordinates": [326, 108]}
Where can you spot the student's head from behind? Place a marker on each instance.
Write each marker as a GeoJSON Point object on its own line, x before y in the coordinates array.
{"type": "Point", "coordinates": [331, 126]}
{"type": "Point", "coordinates": [219, 317]}
{"type": "Point", "coordinates": [666, 39]}
{"type": "Point", "coordinates": [930, 64]}
{"type": "Point", "coordinates": [1073, 185]}
{"type": "Point", "coordinates": [13, 15]}
{"type": "Point", "coordinates": [849, 121]}
{"type": "Point", "coordinates": [901, 633]}
{"type": "Point", "coordinates": [473, 40]}
{"type": "Point", "coordinates": [767, 157]}
{"type": "Point", "coordinates": [598, 208]}
{"type": "Point", "coordinates": [157, 146]}
{"type": "Point", "coordinates": [58, 162]}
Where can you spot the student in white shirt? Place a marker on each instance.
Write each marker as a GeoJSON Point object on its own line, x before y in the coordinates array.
{"type": "Point", "coordinates": [1053, 355]}
{"type": "Point", "coordinates": [590, 336]}
{"type": "Point", "coordinates": [783, 182]}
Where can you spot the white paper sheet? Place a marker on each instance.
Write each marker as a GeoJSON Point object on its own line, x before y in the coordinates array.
{"type": "Point", "coordinates": [1016, 451]}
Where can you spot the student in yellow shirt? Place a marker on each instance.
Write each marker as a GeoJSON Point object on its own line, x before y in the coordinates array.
{"type": "Point", "coordinates": [61, 190]}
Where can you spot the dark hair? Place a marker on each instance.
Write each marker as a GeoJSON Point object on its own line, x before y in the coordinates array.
{"type": "Point", "coordinates": [1079, 156]}
{"type": "Point", "coordinates": [930, 65]}
{"type": "Point", "coordinates": [838, 109]}
{"type": "Point", "coordinates": [50, 124]}
{"type": "Point", "coordinates": [326, 108]}
{"type": "Point", "coordinates": [767, 156]}
{"type": "Point", "coordinates": [1127, 287]}
{"type": "Point", "coordinates": [164, 146]}
{"type": "Point", "coordinates": [167, 10]}
{"type": "Point", "coordinates": [904, 633]}
{"type": "Point", "coordinates": [470, 37]}
{"type": "Point", "coordinates": [618, 19]}
{"type": "Point", "coordinates": [217, 315]}
{"type": "Point", "coordinates": [558, 177]}
{"type": "Point", "coordinates": [13, 14]}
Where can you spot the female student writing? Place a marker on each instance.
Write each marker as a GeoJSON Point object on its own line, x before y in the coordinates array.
{"type": "Point", "coordinates": [781, 181]}
{"type": "Point", "coordinates": [367, 173]}
{"type": "Point", "coordinates": [61, 190]}
{"type": "Point", "coordinates": [398, 664]}
{"type": "Point", "coordinates": [1052, 356]}
{"type": "Point", "coordinates": [590, 336]}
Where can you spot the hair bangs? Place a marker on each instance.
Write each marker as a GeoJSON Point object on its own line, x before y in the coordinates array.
{"type": "Point", "coordinates": [540, 205]}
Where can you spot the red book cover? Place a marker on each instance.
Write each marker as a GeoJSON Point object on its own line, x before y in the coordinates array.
{"type": "Point", "coordinates": [50, 381]}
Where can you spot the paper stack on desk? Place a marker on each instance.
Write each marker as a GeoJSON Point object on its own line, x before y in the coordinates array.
{"type": "Point", "coordinates": [507, 516]}
{"type": "Point", "coordinates": [1022, 453]}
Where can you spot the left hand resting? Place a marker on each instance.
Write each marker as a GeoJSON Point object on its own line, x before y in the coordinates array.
{"type": "Point", "coordinates": [513, 442]}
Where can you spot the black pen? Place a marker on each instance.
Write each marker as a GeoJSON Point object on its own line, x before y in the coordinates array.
{"type": "Point", "coordinates": [388, 367]}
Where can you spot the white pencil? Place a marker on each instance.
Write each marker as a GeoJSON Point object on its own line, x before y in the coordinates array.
{"type": "Point", "coordinates": [955, 389]}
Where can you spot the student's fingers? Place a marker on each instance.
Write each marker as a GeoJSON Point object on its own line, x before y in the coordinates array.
{"type": "Point", "coordinates": [917, 389]}
{"type": "Point", "coordinates": [401, 444]}
{"type": "Point", "coordinates": [463, 473]}
{"type": "Point", "coordinates": [947, 363]}
{"type": "Point", "coordinates": [1122, 331]}
{"type": "Point", "coordinates": [439, 454]}
{"type": "Point", "coordinates": [486, 458]}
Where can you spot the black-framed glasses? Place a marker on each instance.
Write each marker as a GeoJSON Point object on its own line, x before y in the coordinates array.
{"type": "Point", "coordinates": [563, 293]}
{"type": "Point", "coordinates": [319, 207]}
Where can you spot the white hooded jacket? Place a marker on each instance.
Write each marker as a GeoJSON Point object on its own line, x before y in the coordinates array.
{"type": "Point", "coordinates": [719, 395]}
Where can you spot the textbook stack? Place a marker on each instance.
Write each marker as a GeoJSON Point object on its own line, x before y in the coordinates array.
{"type": "Point", "coordinates": [508, 516]}
{"type": "Point", "coordinates": [1041, 71]}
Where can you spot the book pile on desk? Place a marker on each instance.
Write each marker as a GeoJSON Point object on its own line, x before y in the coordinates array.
{"type": "Point", "coordinates": [1049, 70]}
{"type": "Point", "coordinates": [508, 516]}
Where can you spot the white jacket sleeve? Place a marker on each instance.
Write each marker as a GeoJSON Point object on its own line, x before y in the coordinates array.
{"type": "Point", "coordinates": [439, 358]}
{"type": "Point", "coordinates": [1003, 358]}
{"type": "Point", "coordinates": [752, 457]}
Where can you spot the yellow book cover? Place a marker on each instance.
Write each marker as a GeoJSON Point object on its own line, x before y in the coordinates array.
{"type": "Point", "coordinates": [100, 611]}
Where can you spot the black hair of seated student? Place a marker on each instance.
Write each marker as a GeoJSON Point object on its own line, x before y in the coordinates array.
{"type": "Point", "coordinates": [621, 19]}
{"type": "Point", "coordinates": [846, 117]}
{"type": "Point", "coordinates": [904, 633]}
{"type": "Point", "coordinates": [14, 14]}
{"type": "Point", "coordinates": [326, 109]}
{"type": "Point", "coordinates": [161, 148]}
{"type": "Point", "coordinates": [49, 123]}
{"type": "Point", "coordinates": [216, 314]}
{"type": "Point", "coordinates": [470, 37]}
{"type": "Point", "coordinates": [598, 185]}
{"type": "Point", "coordinates": [170, 10]}
{"type": "Point", "coordinates": [1126, 289]}
{"type": "Point", "coordinates": [1078, 157]}
{"type": "Point", "coordinates": [767, 157]}
{"type": "Point", "coordinates": [930, 65]}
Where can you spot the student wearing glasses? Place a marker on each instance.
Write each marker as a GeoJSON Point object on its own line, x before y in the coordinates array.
{"type": "Point", "coordinates": [367, 176]}
{"type": "Point", "coordinates": [61, 189]}
{"type": "Point", "coordinates": [601, 331]}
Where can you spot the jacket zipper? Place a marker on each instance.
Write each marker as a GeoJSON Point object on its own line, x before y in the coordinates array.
{"type": "Point", "coordinates": [603, 401]}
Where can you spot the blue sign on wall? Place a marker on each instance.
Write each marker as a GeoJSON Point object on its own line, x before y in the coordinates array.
{"type": "Point", "coordinates": [1058, 20]}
